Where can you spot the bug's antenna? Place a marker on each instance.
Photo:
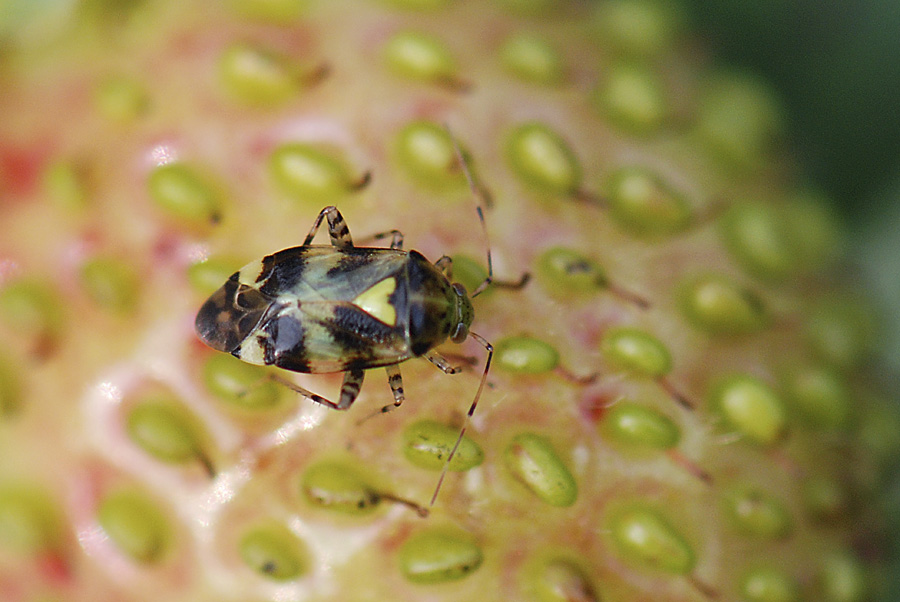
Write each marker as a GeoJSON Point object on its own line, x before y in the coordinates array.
{"type": "Point", "coordinates": [462, 431]}
{"type": "Point", "coordinates": [478, 195]}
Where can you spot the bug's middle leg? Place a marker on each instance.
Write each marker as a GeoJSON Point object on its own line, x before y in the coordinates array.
{"type": "Point", "coordinates": [337, 228]}
{"type": "Point", "coordinates": [396, 383]}
{"type": "Point", "coordinates": [353, 380]}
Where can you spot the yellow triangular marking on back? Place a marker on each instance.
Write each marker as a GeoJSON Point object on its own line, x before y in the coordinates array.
{"type": "Point", "coordinates": [375, 301]}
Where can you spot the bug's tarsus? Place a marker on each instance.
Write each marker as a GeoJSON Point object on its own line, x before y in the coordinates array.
{"type": "Point", "coordinates": [349, 389]}
{"type": "Point", "coordinates": [396, 238]}
{"type": "Point", "coordinates": [462, 431]}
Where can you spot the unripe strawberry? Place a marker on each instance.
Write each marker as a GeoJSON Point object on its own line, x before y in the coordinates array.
{"type": "Point", "coordinates": [682, 404]}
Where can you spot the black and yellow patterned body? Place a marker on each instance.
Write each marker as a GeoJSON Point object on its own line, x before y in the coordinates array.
{"type": "Point", "coordinates": [318, 309]}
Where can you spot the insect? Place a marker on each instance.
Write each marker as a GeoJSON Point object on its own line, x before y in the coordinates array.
{"type": "Point", "coordinates": [342, 308]}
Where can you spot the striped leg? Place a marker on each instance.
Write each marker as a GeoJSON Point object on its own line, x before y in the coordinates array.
{"type": "Point", "coordinates": [337, 228]}
{"type": "Point", "coordinates": [441, 362]}
{"type": "Point", "coordinates": [353, 380]}
{"type": "Point", "coordinates": [396, 383]}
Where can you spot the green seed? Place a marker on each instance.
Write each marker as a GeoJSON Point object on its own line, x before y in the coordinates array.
{"type": "Point", "coordinates": [110, 283]}
{"type": "Point", "coordinates": [819, 395]}
{"type": "Point", "coordinates": [531, 459]}
{"type": "Point", "coordinates": [751, 407]}
{"type": "Point", "coordinates": [719, 306]}
{"type": "Point", "coordinates": [563, 272]}
{"type": "Point", "coordinates": [425, 150]}
{"type": "Point", "coordinates": [843, 578]}
{"type": "Point", "coordinates": [31, 308]}
{"type": "Point", "coordinates": [136, 525]}
{"type": "Point", "coordinates": [121, 99]}
{"type": "Point", "coordinates": [10, 387]}
{"type": "Point", "coordinates": [640, 28]}
{"type": "Point", "coordinates": [739, 119]}
{"type": "Point", "coordinates": [531, 8]}
{"type": "Point", "coordinates": [273, 551]}
{"type": "Point", "coordinates": [29, 520]}
{"type": "Point", "coordinates": [878, 431]}
{"type": "Point", "coordinates": [164, 429]}
{"type": "Point", "coordinates": [543, 160]}
{"type": "Point", "coordinates": [558, 579]}
{"type": "Point", "coordinates": [532, 59]}
{"type": "Point", "coordinates": [637, 426]}
{"type": "Point", "coordinates": [825, 498]}
{"type": "Point", "coordinates": [638, 352]}
{"type": "Point", "coordinates": [308, 173]}
{"type": "Point", "coordinates": [255, 76]}
{"type": "Point", "coordinates": [205, 277]}
{"type": "Point", "coordinates": [841, 332]}
{"type": "Point", "coordinates": [816, 234]}
{"type": "Point", "coordinates": [470, 273]}
{"type": "Point", "coordinates": [642, 536]}
{"type": "Point", "coordinates": [439, 555]}
{"type": "Point", "coordinates": [427, 444]}
{"type": "Point", "coordinates": [769, 585]}
{"type": "Point", "coordinates": [239, 383]}
{"type": "Point", "coordinates": [525, 355]}
{"type": "Point", "coordinates": [633, 99]}
{"type": "Point", "coordinates": [419, 4]}
{"type": "Point", "coordinates": [755, 512]}
{"type": "Point", "coordinates": [642, 203]}
{"type": "Point", "coordinates": [421, 57]}
{"type": "Point", "coordinates": [184, 194]}
{"type": "Point", "coordinates": [759, 238]}
{"type": "Point", "coordinates": [336, 486]}
{"type": "Point", "coordinates": [276, 11]}
{"type": "Point", "coordinates": [66, 184]}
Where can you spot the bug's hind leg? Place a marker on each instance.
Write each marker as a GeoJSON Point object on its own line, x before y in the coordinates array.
{"type": "Point", "coordinates": [337, 228]}
{"type": "Point", "coordinates": [353, 380]}
{"type": "Point", "coordinates": [445, 265]}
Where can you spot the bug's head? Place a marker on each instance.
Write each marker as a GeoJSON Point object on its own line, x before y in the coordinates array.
{"type": "Point", "coordinates": [464, 314]}
{"type": "Point", "coordinates": [230, 315]}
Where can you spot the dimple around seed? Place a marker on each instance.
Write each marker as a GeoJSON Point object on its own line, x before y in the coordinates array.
{"type": "Point", "coordinates": [717, 305]}
{"type": "Point", "coordinates": [751, 407]}
{"type": "Point", "coordinates": [273, 551]}
{"type": "Point", "coordinates": [305, 172]}
{"type": "Point", "coordinates": [644, 537]}
{"type": "Point", "coordinates": [135, 524]}
{"type": "Point", "coordinates": [336, 486]}
{"type": "Point", "coordinates": [532, 59]}
{"type": "Point", "coordinates": [426, 151]}
{"type": "Point", "coordinates": [754, 512]}
{"type": "Point", "coordinates": [768, 585]}
{"type": "Point", "coordinates": [525, 355]}
{"type": "Point", "coordinates": [240, 384]}
{"type": "Point", "coordinates": [543, 160]}
{"type": "Point", "coordinates": [637, 426]}
{"type": "Point", "coordinates": [427, 444]}
{"type": "Point", "coordinates": [533, 461]}
{"type": "Point", "coordinates": [29, 520]}
{"type": "Point", "coordinates": [439, 555]}
{"type": "Point", "coordinates": [184, 194]}
{"type": "Point", "coordinates": [163, 428]}
{"type": "Point", "coordinates": [644, 204]}
{"type": "Point", "coordinates": [636, 351]}
{"type": "Point", "coordinates": [423, 57]}
{"type": "Point", "coordinates": [111, 283]}
{"type": "Point", "coordinates": [562, 271]}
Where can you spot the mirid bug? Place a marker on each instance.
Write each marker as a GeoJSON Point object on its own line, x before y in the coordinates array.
{"type": "Point", "coordinates": [341, 308]}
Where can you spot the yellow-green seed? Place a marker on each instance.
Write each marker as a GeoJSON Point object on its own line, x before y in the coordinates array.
{"type": "Point", "coordinates": [878, 430]}
{"type": "Point", "coordinates": [842, 578]}
{"type": "Point", "coordinates": [111, 283]}
{"type": "Point", "coordinates": [557, 579]}
{"type": "Point", "coordinates": [720, 306]}
{"type": "Point", "coordinates": [419, 4]}
{"type": "Point", "coordinates": [532, 59]}
{"type": "Point", "coordinates": [750, 407]}
{"type": "Point", "coordinates": [543, 160]}
{"type": "Point", "coordinates": [439, 555]}
{"type": "Point", "coordinates": [759, 238]}
{"type": "Point", "coordinates": [240, 384]}
{"type": "Point", "coordinates": [205, 277]}
{"type": "Point", "coordinates": [637, 426]}
{"type": "Point", "coordinates": [636, 351]}
{"type": "Point", "coordinates": [335, 485]}
{"type": "Point", "coordinates": [29, 519]}
{"type": "Point", "coordinates": [10, 387]}
{"type": "Point", "coordinates": [644, 204]}
{"type": "Point", "coordinates": [531, 459]}
{"type": "Point", "coordinates": [825, 498]}
{"type": "Point", "coordinates": [136, 525]}
{"type": "Point", "coordinates": [275, 11]}
{"type": "Point", "coordinates": [121, 99]}
{"type": "Point", "coordinates": [632, 97]}
{"type": "Point", "coordinates": [739, 119]}
{"type": "Point", "coordinates": [184, 194]}
{"type": "Point", "coordinates": [256, 76]}
{"type": "Point", "coordinates": [470, 273]}
{"type": "Point", "coordinates": [308, 173]}
{"type": "Point", "coordinates": [66, 184]}
{"type": "Point", "coordinates": [644, 537]}
{"type": "Point", "coordinates": [841, 331]}
{"type": "Point", "coordinates": [563, 272]}
{"type": "Point", "coordinates": [769, 585]}
{"type": "Point", "coordinates": [427, 444]}
{"type": "Point", "coordinates": [426, 151]}
{"type": "Point", "coordinates": [273, 551]}
{"type": "Point", "coordinates": [525, 355]}
{"type": "Point", "coordinates": [818, 395]}
{"type": "Point", "coordinates": [163, 428]}
{"type": "Point", "coordinates": [638, 28]}
{"type": "Point", "coordinates": [754, 512]}
{"type": "Point", "coordinates": [816, 234]}
{"type": "Point", "coordinates": [420, 56]}
{"type": "Point", "coordinates": [31, 307]}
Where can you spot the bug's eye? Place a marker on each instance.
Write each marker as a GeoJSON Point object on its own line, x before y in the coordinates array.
{"type": "Point", "coordinates": [460, 289]}
{"type": "Point", "coordinates": [459, 335]}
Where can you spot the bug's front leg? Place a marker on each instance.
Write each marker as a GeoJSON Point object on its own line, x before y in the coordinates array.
{"type": "Point", "coordinates": [445, 265]}
{"type": "Point", "coordinates": [353, 380]}
{"type": "Point", "coordinates": [337, 228]}
{"type": "Point", "coordinates": [396, 383]}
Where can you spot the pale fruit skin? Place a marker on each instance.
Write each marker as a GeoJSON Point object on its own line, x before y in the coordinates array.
{"type": "Point", "coordinates": [219, 485]}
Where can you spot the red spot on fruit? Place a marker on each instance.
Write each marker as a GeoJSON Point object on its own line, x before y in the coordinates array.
{"type": "Point", "coordinates": [20, 168]}
{"type": "Point", "coordinates": [54, 568]}
{"type": "Point", "coordinates": [595, 404]}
